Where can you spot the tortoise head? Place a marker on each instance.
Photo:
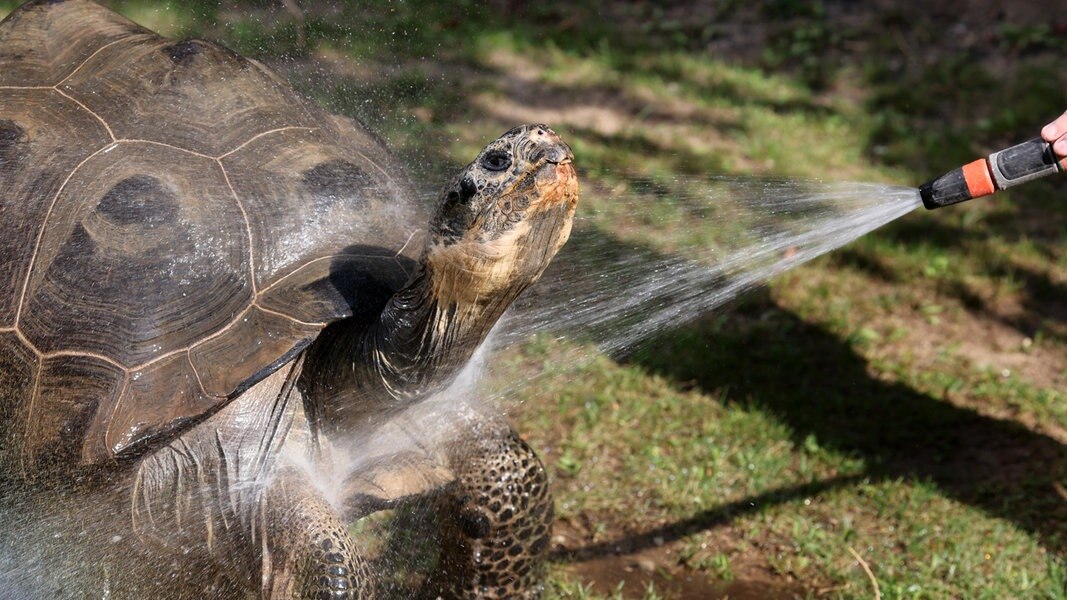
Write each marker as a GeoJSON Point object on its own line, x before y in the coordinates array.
{"type": "Point", "coordinates": [503, 217]}
{"type": "Point", "coordinates": [499, 222]}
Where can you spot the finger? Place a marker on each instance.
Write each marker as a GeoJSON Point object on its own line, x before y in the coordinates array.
{"type": "Point", "coordinates": [1060, 145]}
{"type": "Point", "coordinates": [1055, 129]}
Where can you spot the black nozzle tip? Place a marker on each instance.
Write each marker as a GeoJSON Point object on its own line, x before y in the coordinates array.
{"type": "Point", "coordinates": [926, 192]}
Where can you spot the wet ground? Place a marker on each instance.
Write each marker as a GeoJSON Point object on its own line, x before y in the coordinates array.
{"type": "Point", "coordinates": [632, 565]}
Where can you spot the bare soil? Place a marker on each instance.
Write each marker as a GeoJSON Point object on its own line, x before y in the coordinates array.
{"type": "Point", "coordinates": [632, 567]}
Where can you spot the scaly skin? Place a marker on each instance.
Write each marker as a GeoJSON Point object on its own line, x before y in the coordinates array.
{"type": "Point", "coordinates": [495, 522]}
{"type": "Point", "coordinates": [307, 547]}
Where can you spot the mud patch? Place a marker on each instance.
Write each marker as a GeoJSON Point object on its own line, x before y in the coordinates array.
{"type": "Point", "coordinates": [632, 573]}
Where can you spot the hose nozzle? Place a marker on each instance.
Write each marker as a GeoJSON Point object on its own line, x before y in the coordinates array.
{"type": "Point", "coordinates": [1001, 170]}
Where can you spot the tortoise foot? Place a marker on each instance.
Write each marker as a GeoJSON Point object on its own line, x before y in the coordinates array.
{"type": "Point", "coordinates": [495, 522]}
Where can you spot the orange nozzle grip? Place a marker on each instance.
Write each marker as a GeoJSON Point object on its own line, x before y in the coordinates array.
{"type": "Point", "coordinates": [979, 179]}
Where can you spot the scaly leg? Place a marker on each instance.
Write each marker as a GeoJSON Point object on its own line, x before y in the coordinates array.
{"type": "Point", "coordinates": [495, 520]}
{"type": "Point", "coordinates": [307, 551]}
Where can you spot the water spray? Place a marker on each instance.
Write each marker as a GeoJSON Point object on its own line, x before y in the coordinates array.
{"type": "Point", "coordinates": [1024, 162]}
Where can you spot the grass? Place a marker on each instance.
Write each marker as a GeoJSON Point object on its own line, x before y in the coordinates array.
{"type": "Point", "coordinates": [902, 397]}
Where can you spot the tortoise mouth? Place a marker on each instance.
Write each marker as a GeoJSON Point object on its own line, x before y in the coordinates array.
{"type": "Point", "coordinates": [559, 154]}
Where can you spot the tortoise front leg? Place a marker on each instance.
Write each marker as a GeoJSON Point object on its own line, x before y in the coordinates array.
{"type": "Point", "coordinates": [307, 552]}
{"type": "Point", "coordinates": [495, 520]}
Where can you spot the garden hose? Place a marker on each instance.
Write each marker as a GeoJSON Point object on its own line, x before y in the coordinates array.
{"type": "Point", "coordinates": [1000, 170]}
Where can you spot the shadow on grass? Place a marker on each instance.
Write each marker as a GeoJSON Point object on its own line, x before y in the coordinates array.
{"type": "Point", "coordinates": [819, 386]}
{"type": "Point", "coordinates": [701, 521]}
{"type": "Point", "coordinates": [1043, 300]}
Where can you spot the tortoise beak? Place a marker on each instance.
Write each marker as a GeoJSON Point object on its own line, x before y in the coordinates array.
{"type": "Point", "coordinates": [560, 155]}
{"type": "Point", "coordinates": [550, 146]}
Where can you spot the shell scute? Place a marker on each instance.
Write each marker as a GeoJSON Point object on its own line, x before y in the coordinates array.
{"type": "Point", "coordinates": [18, 374]}
{"type": "Point", "coordinates": [45, 138]}
{"type": "Point", "coordinates": [42, 43]}
{"type": "Point", "coordinates": [257, 338]}
{"type": "Point", "coordinates": [72, 393]}
{"type": "Point", "coordinates": [209, 101]}
{"type": "Point", "coordinates": [171, 271]}
{"type": "Point", "coordinates": [158, 399]}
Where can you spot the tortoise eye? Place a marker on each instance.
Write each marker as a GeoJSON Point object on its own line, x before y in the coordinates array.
{"type": "Point", "coordinates": [496, 160]}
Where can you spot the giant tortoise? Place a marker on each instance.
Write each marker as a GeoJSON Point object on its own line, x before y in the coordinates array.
{"type": "Point", "coordinates": [208, 283]}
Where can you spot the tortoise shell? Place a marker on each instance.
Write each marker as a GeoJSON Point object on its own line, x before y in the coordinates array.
{"type": "Point", "coordinates": [175, 224]}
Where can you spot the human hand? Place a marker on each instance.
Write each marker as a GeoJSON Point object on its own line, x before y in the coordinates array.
{"type": "Point", "coordinates": [1056, 134]}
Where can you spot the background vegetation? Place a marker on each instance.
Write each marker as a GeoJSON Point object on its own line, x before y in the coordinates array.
{"type": "Point", "coordinates": [900, 401]}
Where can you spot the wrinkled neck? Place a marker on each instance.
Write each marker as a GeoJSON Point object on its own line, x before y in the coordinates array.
{"type": "Point", "coordinates": [365, 372]}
